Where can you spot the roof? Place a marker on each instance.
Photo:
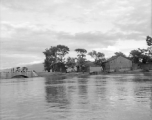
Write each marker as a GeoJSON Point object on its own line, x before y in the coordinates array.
{"type": "Point", "coordinates": [114, 57]}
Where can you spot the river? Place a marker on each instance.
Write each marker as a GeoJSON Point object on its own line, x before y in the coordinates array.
{"type": "Point", "coordinates": [96, 97]}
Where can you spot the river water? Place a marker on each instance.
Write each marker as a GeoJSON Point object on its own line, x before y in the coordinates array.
{"type": "Point", "coordinates": [97, 97]}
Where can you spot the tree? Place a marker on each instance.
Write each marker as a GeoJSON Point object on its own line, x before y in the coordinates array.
{"type": "Point", "coordinates": [62, 50]}
{"type": "Point", "coordinates": [70, 62]}
{"type": "Point", "coordinates": [99, 57]}
{"type": "Point", "coordinates": [135, 56]}
{"type": "Point", "coordinates": [140, 56]}
{"type": "Point", "coordinates": [49, 63]}
{"type": "Point", "coordinates": [120, 53]}
{"type": "Point", "coordinates": [50, 58]}
{"type": "Point", "coordinates": [143, 55]}
{"type": "Point", "coordinates": [81, 57]}
{"type": "Point", "coordinates": [150, 51]}
{"type": "Point", "coordinates": [54, 55]}
{"type": "Point", "coordinates": [51, 52]}
{"type": "Point", "coordinates": [149, 41]}
{"type": "Point", "coordinates": [146, 59]}
{"type": "Point", "coordinates": [81, 52]}
{"type": "Point", "coordinates": [81, 61]}
{"type": "Point", "coordinates": [93, 54]}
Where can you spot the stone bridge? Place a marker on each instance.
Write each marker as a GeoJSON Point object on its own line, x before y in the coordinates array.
{"type": "Point", "coordinates": [8, 75]}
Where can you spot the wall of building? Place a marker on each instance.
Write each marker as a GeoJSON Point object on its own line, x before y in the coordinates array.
{"type": "Point", "coordinates": [96, 69]}
{"type": "Point", "coordinates": [119, 64]}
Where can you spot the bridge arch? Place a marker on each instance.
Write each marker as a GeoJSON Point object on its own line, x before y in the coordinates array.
{"type": "Point", "coordinates": [20, 76]}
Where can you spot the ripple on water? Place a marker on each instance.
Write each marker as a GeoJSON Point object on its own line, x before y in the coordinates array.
{"type": "Point", "coordinates": [106, 97]}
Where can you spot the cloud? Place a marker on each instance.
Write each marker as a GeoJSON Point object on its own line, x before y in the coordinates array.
{"type": "Point", "coordinates": [26, 42]}
{"type": "Point", "coordinates": [33, 38]}
{"type": "Point", "coordinates": [137, 20]}
{"type": "Point", "coordinates": [45, 4]}
{"type": "Point", "coordinates": [13, 60]}
{"type": "Point", "coordinates": [25, 5]}
{"type": "Point", "coordinates": [28, 27]}
{"type": "Point", "coordinates": [127, 15]}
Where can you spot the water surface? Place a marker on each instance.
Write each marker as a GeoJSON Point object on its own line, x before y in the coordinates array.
{"type": "Point", "coordinates": [99, 97]}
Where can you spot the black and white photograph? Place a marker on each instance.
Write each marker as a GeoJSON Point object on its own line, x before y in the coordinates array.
{"type": "Point", "coordinates": [75, 59]}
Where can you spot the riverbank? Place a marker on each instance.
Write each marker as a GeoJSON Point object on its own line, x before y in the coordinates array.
{"type": "Point", "coordinates": [59, 74]}
{"type": "Point", "coordinates": [83, 75]}
{"type": "Point", "coordinates": [86, 74]}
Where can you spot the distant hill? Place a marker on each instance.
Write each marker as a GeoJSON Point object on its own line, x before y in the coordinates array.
{"type": "Point", "coordinates": [39, 67]}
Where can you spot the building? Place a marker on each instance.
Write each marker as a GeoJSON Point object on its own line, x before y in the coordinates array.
{"type": "Point", "coordinates": [95, 70]}
{"type": "Point", "coordinates": [118, 63]}
{"type": "Point", "coordinates": [92, 67]}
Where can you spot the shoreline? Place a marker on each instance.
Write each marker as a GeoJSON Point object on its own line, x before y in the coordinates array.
{"type": "Point", "coordinates": [60, 74]}
{"type": "Point", "coordinates": [85, 74]}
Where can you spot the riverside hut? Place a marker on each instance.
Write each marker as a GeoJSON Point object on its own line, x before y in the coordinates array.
{"type": "Point", "coordinates": [118, 63]}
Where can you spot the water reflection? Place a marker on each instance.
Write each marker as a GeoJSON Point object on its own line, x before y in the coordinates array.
{"type": "Point", "coordinates": [82, 87]}
{"type": "Point", "coordinates": [100, 84]}
{"type": "Point", "coordinates": [56, 92]}
{"type": "Point", "coordinates": [82, 93]}
{"type": "Point", "coordinates": [151, 99]}
{"type": "Point", "coordinates": [98, 97]}
{"type": "Point", "coordinates": [54, 80]}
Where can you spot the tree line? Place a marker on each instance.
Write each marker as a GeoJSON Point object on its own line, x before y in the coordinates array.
{"type": "Point", "coordinates": [55, 56]}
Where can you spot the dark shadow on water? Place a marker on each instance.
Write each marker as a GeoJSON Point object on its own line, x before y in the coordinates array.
{"type": "Point", "coordinates": [83, 81]}
{"type": "Point", "coordinates": [137, 79]}
{"type": "Point", "coordinates": [151, 98]}
{"type": "Point", "coordinates": [100, 82]}
{"type": "Point", "coordinates": [146, 77]}
{"type": "Point", "coordinates": [55, 80]}
{"type": "Point", "coordinates": [101, 88]}
{"type": "Point", "coordinates": [56, 93]}
{"type": "Point", "coordinates": [143, 93]}
{"type": "Point", "coordinates": [83, 88]}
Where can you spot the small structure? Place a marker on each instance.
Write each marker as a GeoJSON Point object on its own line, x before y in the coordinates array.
{"type": "Point", "coordinates": [92, 68]}
{"type": "Point", "coordinates": [118, 64]}
{"type": "Point", "coordinates": [95, 70]}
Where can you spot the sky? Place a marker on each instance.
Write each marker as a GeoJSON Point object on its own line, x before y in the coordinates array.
{"type": "Point", "coordinates": [28, 27]}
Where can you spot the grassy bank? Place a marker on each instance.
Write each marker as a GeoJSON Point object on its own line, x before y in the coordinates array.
{"type": "Point", "coordinates": [80, 74]}
{"type": "Point", "coordinates": [59, 74]}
